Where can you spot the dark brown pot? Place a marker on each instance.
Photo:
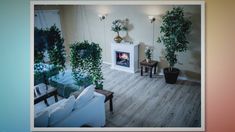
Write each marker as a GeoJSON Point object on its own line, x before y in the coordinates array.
{"type": "Point", "coordinates": [171, 76]}
{"type": "Point", "coordinates": [118, 39]}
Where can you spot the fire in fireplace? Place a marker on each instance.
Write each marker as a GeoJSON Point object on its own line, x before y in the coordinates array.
{"type": "Point", "coordinates": [123, 59]}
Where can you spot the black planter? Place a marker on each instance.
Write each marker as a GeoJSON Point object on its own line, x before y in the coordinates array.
{"type": "Point", "coordinates": [171, 76]}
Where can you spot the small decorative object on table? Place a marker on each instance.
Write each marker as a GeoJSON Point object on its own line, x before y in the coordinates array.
{"type": "Point", "coordinates": [148, 54]}
{"type": "Point", "coordinates": [117, 27]}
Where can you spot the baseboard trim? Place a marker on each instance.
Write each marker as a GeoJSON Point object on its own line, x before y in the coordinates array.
{"type": "Point", "coordinates": [108, 63]}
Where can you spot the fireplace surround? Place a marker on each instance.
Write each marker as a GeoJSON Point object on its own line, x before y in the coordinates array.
{"type": "Point", "coordinates": [125, 57]}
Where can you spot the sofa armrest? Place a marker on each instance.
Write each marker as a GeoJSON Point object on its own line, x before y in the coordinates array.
{"type": "Point", "coordinates": [100, 96]}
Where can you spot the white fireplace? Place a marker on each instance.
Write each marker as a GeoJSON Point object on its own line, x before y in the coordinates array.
{"type": "Point", "coordinates": [125, 57]}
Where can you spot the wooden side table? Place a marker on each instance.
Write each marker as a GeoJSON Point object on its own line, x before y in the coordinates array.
{"type": "Point", "coordinates": [149, 66]}
{"type": "Point", "coordinates": [108, 96]}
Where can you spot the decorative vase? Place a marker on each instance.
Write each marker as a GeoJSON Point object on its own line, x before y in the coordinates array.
{"type": "Point", "coordinates": [118, 39]}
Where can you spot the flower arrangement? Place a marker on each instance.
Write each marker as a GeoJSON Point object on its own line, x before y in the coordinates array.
{"type": "Point", "coordinates": [117, 26]}
{"type": "Point", "coordinates": [148, 53]}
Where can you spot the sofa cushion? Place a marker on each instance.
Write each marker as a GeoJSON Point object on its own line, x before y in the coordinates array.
{"type": "Point", "coordinates": [41, 119]}
{"type": "Point", "coordinates": [86, 95]}
{"type": "Point", "coordinates": [44, 114]}
{"type": "Point", "coordinates": [61, 111]}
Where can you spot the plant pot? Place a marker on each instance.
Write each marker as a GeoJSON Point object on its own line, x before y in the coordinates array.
{"type": "Point", "coordinates": [118, 39]}
{"type": "Point", "coordinates": [148, 60]}
{"type": "Point", "coordinates": [171, 76]}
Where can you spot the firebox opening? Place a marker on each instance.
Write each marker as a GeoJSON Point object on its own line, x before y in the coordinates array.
{"type": "Point", "coordinates": [123, 59]}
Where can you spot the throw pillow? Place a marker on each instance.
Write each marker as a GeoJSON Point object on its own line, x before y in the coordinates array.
{"type": "Point", "coordinates": [41, 119]}
{"type": "Point", "coordinates": [61, 111]}
{"type": "Point", "coordinates": [86, 95]}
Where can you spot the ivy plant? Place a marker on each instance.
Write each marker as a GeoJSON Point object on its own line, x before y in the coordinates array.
{"type": "Point", "coordinates": [174, 29]}
{"type": "Point", "coordinates": [85, 59]}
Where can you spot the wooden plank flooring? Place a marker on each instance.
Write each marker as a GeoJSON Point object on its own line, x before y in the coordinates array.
{"type": "Point", "coordinates": [140, 101]}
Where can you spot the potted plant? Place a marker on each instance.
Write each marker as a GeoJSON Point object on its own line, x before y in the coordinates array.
{"type": "Point", "coordinates": [117, 27]}
{"type": "Point", "coordinates": [174, 29]}
{"type": "Point", "coordinates": [148, 54]}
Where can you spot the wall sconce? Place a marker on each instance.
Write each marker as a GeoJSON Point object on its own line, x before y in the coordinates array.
{"type": "Point", "coordinates": [152, 19]}
{"type": "Point", "coordinates": [102, 17]}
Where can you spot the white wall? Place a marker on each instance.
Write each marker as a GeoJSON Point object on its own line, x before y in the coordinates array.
{"type": "Point", "coordinates": [80, 23]}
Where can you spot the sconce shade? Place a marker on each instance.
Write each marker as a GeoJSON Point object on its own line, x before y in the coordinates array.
{"type": "Point", "coordinates": [101, 17]}
{"type": "Point", "coordinates": [151, 18]}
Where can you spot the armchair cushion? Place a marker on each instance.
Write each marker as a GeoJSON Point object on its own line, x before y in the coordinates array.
{"type": "Point", "coordinates": [61, 111]}
{"type": "Point", "coordinates": [41, 119]}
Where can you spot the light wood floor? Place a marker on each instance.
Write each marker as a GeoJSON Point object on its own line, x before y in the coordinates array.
{"type": "Point", "coordinates": [140, 101]}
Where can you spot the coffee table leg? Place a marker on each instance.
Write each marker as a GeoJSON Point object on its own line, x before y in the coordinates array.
{"type": "Point", "coordinates": [45, 100]}
{"type": "Point", "coordinates": [146, 69]}
{"type": "Point", "coordinates": [155, 69]}
{"type": "Point", "coordinates": [141, 71]}
{"type": "Point", "coordinates": [56, 99]}
{"type": "Point", "coordinates": [111, 105]}
{"type": "Point", "coordinates": [150, 72]}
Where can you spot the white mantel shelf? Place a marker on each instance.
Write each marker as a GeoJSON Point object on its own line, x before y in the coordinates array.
{"type": "Point", "coordinates": [132, 49]}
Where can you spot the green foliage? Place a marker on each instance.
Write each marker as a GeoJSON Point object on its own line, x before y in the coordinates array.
{"type": "Point", "coordinates": [49, 39]}
{"type": "Point", "coordinates": [41, 70]}
{"type": "Point", "coordinates": [174, 29]}
{"type": "Point", "coordinates": [56, 48]}
{"type": "Point", "coordinates": [117, 26]}
{"type": "Point", "coordinates": [85, 58]}
{"type": "Point", "coordinates": [148, 53]}
{"type": "Point", "coordinates": [39, 44]}
{"type": "Point", "coordinates": [82, 78]}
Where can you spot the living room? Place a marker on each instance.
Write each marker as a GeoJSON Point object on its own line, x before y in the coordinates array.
{"type": "Point", "coordinates": [131, 58]}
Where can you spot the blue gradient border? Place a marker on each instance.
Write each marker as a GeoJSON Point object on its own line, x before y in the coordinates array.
{"type": "Point", "coordinates": [15, 66]}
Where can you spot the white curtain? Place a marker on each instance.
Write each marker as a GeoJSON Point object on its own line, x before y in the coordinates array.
{"type": "Point", "coordinates": [46, 18]}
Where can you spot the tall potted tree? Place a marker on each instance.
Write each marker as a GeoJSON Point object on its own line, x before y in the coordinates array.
{"type": "Point", "coordinates": [174, 29]}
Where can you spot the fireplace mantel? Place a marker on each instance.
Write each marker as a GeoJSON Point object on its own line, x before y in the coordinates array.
{"type": "Point", "coordinates": [132, 50]}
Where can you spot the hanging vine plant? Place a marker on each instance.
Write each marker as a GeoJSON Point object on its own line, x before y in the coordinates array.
{"type": "Point", "coordinates": [85, 60]}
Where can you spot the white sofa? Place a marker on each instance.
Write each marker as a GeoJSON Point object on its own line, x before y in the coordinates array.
{"type": "Point", "coordinates": [87, 109]}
